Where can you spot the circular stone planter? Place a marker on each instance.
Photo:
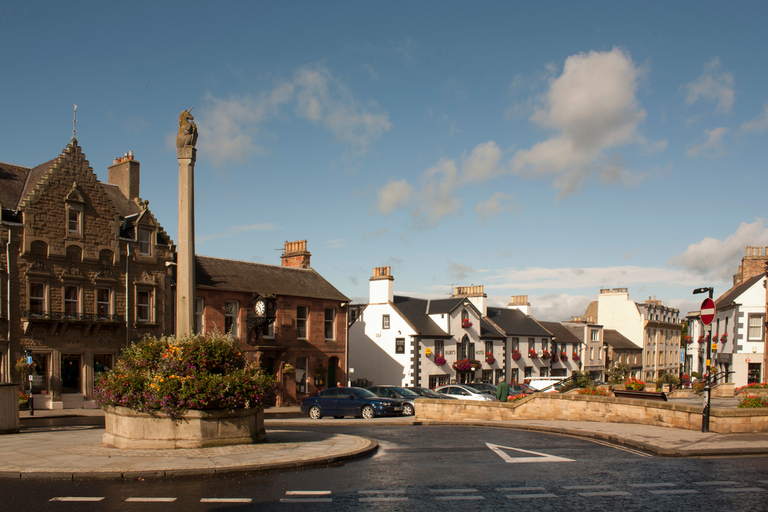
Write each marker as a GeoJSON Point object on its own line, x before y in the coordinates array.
{"type": "Point", "coordinates": [127, 428]}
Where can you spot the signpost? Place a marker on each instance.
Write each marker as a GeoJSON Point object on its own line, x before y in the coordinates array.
{"type": "Point", "coordinates": [707, 315]}
{"type": "Point", "coordinates": [707, 311]}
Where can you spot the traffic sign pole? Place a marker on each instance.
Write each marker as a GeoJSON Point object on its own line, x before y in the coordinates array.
{"type": "Point", "coordinates": [707, 314]}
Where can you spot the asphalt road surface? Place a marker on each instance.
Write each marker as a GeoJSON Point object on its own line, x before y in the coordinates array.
{"type": "Point", "coordinates": [436, 468]}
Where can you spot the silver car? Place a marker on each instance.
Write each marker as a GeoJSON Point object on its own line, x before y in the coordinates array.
{"type": "Point", "coordinates": [463, 392]}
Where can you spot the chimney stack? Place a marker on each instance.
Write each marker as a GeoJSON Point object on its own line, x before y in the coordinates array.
{"type": "Point", "coordinates": [476, 296]}
{"type": "Point", "coordinates": [521, 303]}
{"type": "Point", "coordinates": [296, 254]}
{"type": "Point", "coordinates": [382, 286]}
{"type": "Point", "coordinates": [124, 172]}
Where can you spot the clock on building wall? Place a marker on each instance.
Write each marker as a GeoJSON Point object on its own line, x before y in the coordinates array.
{"type": "Point", "coordinates": [262, 313]}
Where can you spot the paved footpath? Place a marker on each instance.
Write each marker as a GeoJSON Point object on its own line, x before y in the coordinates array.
{"type": "Point", "coordinates": [50, 446]}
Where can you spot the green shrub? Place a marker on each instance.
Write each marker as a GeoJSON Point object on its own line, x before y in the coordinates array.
{"type": "Point", "coordinates": [170, 375]}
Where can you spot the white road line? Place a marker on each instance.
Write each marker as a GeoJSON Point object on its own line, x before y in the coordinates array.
{"type": "Point", "coordinates": [77, 498]}
{"type": "Point", "coordinates": [586, 487]}
{"type": "Point", "coordinates": [452, 490]}
{"type": "Point", "coordinates": [372, 499]}
{"type": "Point", "coordinates": [673, 491]}
{"type": "Point", "coordinates": [307, 493]}
{"type": "Point", "coordinates": [150, 500]}
{"type": "Point", "coordinates": [664, 484]}
{"type": "Point", "coordinates": [623, 448]}
{"type": "Point", "coordinates": [527, 496]}
{"type": "Point", "coordinates": [306, 500]}
{"type": "Point", "coordinates": [516, 489]}
{"type": "Point", "coordinates": [382, 491]}
{"type": "Point", "coordinates": [447, 498]}
{"type": "Point", "coordinates": [742, 489]}
{"type": "Point", "coordinates": [225, 500]}
{"type": "Point", "coordinates": [604, 493]}
{"type": "Point", "coordinates": [717, 482]}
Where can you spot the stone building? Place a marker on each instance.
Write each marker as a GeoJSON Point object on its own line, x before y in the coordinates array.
{"type": "Point", "coordinates": [83, 269]}
{"type": "Point", "coordinates": [310, 329]}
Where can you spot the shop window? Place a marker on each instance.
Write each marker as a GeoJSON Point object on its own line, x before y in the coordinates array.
{"type": "Point", "coordinates": [101, 363]}
{"type": "Point", "coordinates": [231, 313]}
{"type": "Point", "coordinates": [437, 380]}
{"type": "Point", "coordinates": [40, 382]}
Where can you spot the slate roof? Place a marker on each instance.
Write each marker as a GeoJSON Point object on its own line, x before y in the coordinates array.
{"type": "Point", "coordinates": [561, 333]}
{"type": "Point", "coordinates": [415, 312]}
{"type": "Point", "coordinates": [615, 339]}
{"type": "Point", "coordinates": [488, 330]}
{"type": "Point", "coordinates": [729, 297]}
{"type": "Point", "coordinates": [514, 322]}
{"type": "Point", "coordinates": [245, 276]}
{"type": "Point", "coordinates": [439, 306]}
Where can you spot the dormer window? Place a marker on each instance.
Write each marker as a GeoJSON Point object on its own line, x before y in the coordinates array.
{"type": "Point", "coordinates": [74, 212]}
{"type": "Point", "coordinates": [73, 222]}
{"type": "Point", "coordinates": [145, 241]}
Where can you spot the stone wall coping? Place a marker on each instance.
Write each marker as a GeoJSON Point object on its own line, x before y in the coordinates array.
{"type": "Point", "coordinates": [191, 413]}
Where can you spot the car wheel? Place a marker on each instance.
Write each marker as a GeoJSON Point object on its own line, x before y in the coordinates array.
{"type": "Point", "coordinates": [367, 412]}
{"type": "Point", "coordinates": [408, 410]}
{"type": "Point", "coordinates": [315, 413]}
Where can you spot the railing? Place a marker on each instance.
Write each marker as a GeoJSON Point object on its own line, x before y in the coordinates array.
{"type": "Point", "coordinates": [72, 317]}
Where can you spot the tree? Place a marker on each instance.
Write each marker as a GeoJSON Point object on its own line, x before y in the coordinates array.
{"type": "Point", "coordinates": [618, 372]}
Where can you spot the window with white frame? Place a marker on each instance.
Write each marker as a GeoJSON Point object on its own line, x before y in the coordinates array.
{"type": "Point", "coordinates": [145, 241]}
{"type": "Point", "coordinates": [489, 347]}
{"type": "Point", "coordinates": [594, 335]}
{"type": "Point", "coordinates": [231, 315]}
{"type": "Point", "coordinates": [74, 221]}
{"type": "Point", "coordinates": [532, 344]}
{"type": "Point", "coordinates": [437, 380]}
{"type": "Point", "coordinates": [515, 344]}
{"type": "Point", "coordinates": [439, 347]}
{"type": "Point", "coordinates": [302, 317]}
{"type": "Point", "coordinates": [38, 298]}
{"type": "Point", "coordinates": [330, 324]}
{"type": "Point", "coordinates": [71, 301]}
{"type": "Point", "coordinates": [385, 321]}
{"type": "Point", "coordinates": [144, 306]}
{"type": "Point", "coordinates": [199, 310]}
{"type": "Point", "coordinates": [103, 302]}
{"type": "Point", "coordinates": [755, 327]}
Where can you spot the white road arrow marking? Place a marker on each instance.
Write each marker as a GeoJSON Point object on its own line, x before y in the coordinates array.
{"type": "Point", "coordinates": [540, 457]}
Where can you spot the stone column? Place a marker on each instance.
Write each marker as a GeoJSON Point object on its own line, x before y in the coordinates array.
{"type": "Point", "coordinates": [185, 269]}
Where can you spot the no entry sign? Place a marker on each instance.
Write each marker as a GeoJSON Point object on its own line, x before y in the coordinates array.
{"type": "Point", "coordinates": [707, 311]}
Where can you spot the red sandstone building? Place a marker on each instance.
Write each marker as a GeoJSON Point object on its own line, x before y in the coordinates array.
{"type": "Point", "coordinates": [309, 333]}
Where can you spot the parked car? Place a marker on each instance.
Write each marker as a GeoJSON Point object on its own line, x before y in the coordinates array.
{"type": "Point", "coordinates": [517, 388]}
{"type": "Point", "coordinates": [465, 392]}
{"type": "Point", "coordinates": [484, 387]}
{"type": "Point", "coordinates": [548, 384]}
{"type": "Point", "coordinates": [358, 402]}
{"type": "Point", "coordinates": [397, 393]}
{"type": "Point", "coordinates": [428, 393]}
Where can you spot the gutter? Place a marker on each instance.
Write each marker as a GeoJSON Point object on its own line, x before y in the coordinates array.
{"type": "Point", "coordinates": [7, 368]}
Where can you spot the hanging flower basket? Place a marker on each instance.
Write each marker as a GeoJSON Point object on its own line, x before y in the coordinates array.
{"type": "Point", "coordinates": [563, 357]}
{"type": "Point", "coordinates": [546, 355]}
{"type": "Point", "coordinates": [25, 368]}
{"type": "Point", "coordinates": [689, 340]}
{"type": "Point", "coordinates": [439, 360]}
{"type": "Point", "coordinates": [555, 358]}
{"type": "Point", "coordinates": [724, 338]}
{"type": "Point", "coordinates": [466, 324]}
{"type": "Point", "coordinates": [532, 354]}
{"type": "Point", "coordinates": [516, 355]}
{"type": "Point", "coordinates": [576, 357]}
{"type": "Point", "coordinates": [489, 358]}
{"type": "Point", "coordinates": [702, 339]}
{"type": "Point", "coordinates": [466, 365]}
{"type": "Point", "coordinates": [289, 369]}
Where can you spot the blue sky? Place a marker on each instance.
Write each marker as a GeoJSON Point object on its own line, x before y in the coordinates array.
{"type": "Point", "coordinates": [540, 148]}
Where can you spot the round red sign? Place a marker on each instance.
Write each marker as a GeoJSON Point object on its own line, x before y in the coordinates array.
{"type": "Point", "coordinates": [707, 311]}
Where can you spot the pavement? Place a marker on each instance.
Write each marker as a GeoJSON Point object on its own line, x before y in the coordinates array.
{"type": "Point", "coordinates": [66, 444]}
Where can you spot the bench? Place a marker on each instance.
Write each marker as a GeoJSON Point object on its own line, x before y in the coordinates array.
{"type": "Point", "coordinates": [644, 395]}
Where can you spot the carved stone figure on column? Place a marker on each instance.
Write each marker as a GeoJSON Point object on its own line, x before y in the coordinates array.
{"type": "Point", "coordinates": [187, 136]}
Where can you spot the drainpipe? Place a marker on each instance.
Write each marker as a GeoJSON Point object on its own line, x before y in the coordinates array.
{"type": "Point", "coordinates": [7, 369]}
{"type": "Point", "coordinates": [127, 296]}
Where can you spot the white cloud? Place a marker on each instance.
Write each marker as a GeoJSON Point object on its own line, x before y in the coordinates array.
{"type": "Point", "coordinates": [230, 128]}
{"type": "Point", "coordinates": [498, 202]}
{"type": "Point", "coordinates": [436, 198]}
{"type": "Point", "coordinates": [593, 107]}
{"type": "Point", "coordinates": [712, 85]}
{"type": "Point", "coordinates": [719, 259]}
{"type": "Point", "coordinates": [712, 147]}
{"type": "Point", "coordinates": [482, 163]}
{"type": "Point", "coordinates": [758, 124]}
{"type": "Point", "coordinates": [393, 195]}
{"type": "Point", "coordinates": [235, 231]}
{"type": "Point", "coordinates": [459, 271]}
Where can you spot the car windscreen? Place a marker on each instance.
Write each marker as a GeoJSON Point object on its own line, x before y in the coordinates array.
{"type": "Point", "coordinates": [403, 391]}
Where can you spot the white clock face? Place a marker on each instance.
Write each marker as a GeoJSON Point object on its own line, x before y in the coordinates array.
{"type": "Point", "coordinates": [260, 307]}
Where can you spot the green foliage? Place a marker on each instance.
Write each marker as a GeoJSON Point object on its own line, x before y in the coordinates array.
{"type": "Point", "coordinates": [635, 384]}
{"type": "Point", "coordinates": [753, 401]}
{"type": "Point", "coordinates": [618, 372]}
{"type": "Point", "coordinates": [668, 378]}
{"type": "Point", "coordinates": [171, 375]}
{"type": "Point", "coordinates": [580, 380]}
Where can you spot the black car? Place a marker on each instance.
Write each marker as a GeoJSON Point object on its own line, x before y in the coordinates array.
{"type": "Point", "coordinates": [428, 393]}
{"type": "Point", "coordinates": [340, 402]}
{"type": "Point", "coordinates": [397, 393]}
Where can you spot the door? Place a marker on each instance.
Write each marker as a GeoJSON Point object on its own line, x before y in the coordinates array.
{"type": "Point", "coordinates": [753, 373]}
{"type": "Point", "coordinates": [70, 374]}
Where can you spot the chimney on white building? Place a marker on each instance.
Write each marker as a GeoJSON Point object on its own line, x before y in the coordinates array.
{"type": "Point", "coordinates": [520, 302]}
{"type": "Point", "coordinates": [475, 295]}
{"type": "Point", "coordinates": [382, 287]}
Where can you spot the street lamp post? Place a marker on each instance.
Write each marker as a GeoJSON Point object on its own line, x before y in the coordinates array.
{"type": "Point", "coordinates": [707, 384]}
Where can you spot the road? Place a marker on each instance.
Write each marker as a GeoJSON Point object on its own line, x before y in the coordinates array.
{"type": "Point", "coordinates": [437, 468]}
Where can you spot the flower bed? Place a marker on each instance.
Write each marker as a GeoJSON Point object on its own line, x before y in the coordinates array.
{"type": "Point", "coordinates": [163, 379]}
{"type": "Point", "coordinates": [751, 401]}
{"type": "Point", "coordinates": [634, 384]}
{"type": "Point", "coordinates": [594, 392]}
{"type": "Point", "coordinates": [751, 387]}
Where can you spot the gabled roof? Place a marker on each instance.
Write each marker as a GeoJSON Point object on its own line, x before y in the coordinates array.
{"type": "Point", "coordinates": [416, 313]}
{"type": "Point", "coordinates": [730, 297]}
{"type": "Point", "coordinates": [615, 339]}
{"type": "Point", "coordinates": [245, 276]}
{"type": "Point", "coordinates": [561, 332]}
{"type": "Point", "coordinates": [440, 306]}
{"type": "Point", "coordinates": [514, 322]}
{"type": "Point", "coordinates": [488, 330]}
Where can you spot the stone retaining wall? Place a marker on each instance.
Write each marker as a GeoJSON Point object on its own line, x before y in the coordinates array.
{"type": "Point", "coordinates": [554, 406]}
{"type": "Point", "coordinates": [9, 408]}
